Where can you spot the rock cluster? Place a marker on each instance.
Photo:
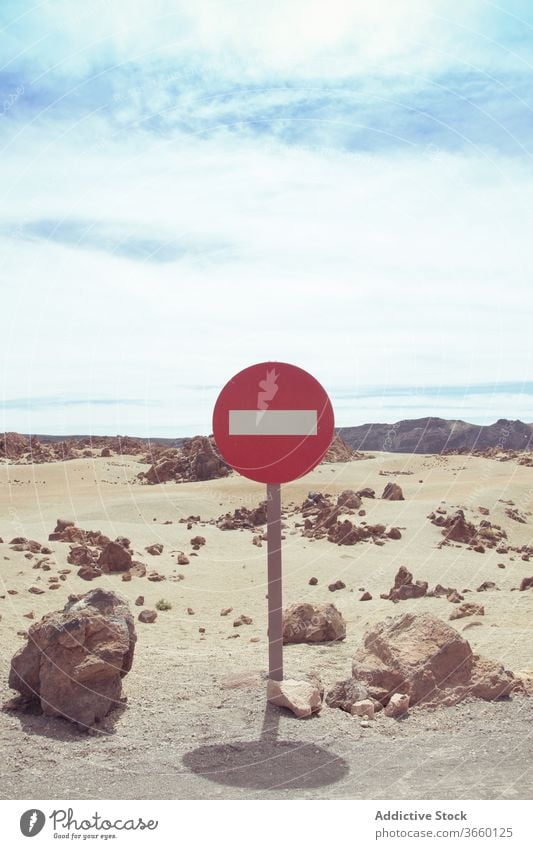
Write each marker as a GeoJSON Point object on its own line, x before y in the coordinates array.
{"type": "Point", "coordinates": [74, 660]}
{"type": "Point", "coordinates": [29, 545]}
{"type": "Point", "coordinates": [196, 460]}
{"type": "Point", "coordinates": [456, 528]}
{"type": "Point", "coordinates": [404, 587]}
{"type": "Point", "coordinates": [242, 517]}
{"type": "Point", "coordinates": [17, 448]}
{"type": "Point", "coordinates": [95, 553]}
{"type": "Point", "coordinates": [325, 520]}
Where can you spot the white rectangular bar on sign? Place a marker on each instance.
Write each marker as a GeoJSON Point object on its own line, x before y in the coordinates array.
{"type": "Point", "coordinates": [272, 422]}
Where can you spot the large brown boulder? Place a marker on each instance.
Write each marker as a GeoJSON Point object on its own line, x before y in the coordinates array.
{"type": "Point", "coordinates": [313, 623]}
{"type": "Point", "coordinates": [115, 558]}
{"type": "Point", "coordinates": [428, 660]}
{"type": "Point", "coordinates": [392, 492]}
{"type": "Point", "coordinates": [457, 529]}
{"type": "Point", "coordinates": [75, 659]}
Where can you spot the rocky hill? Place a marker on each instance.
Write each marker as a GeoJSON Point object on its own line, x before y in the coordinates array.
{"type": "Point", "coordinates": [21, 448]}
{"type": "Point", "coordinates": [411, 436]}
{"type": "Point", "coordinates": [438, 436]}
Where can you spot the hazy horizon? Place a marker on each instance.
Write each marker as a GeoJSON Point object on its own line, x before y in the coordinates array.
{"type": "Point", "coordinates": [191, 412]}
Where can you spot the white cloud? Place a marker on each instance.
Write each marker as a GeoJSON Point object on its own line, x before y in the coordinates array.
{"type": "Point", "coordinates": [248, 38]}
{"type": "Point", "coordinates": [361, 268]}
{"type": "Point", "coordinates": [406, 265]}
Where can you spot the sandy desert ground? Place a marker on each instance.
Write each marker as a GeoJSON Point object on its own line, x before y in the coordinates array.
{"type": "Point", "coordinates": [195, 724]}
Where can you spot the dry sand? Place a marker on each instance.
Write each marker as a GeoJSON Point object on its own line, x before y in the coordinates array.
{"type": "Point", "coordinates": [195, 724]}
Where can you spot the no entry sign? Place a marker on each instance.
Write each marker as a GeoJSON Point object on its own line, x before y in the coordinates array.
{"type": "Point", "coordinates": [273, 422]}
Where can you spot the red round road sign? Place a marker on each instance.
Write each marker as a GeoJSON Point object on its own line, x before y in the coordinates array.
{"type": "Point", "coordinates": [273, 422]}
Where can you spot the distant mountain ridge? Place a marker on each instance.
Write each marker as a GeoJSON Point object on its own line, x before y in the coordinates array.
{"type": "Point", "coordinates": [427, 435]}
{"type": "Point", "coordinates": [431, 435]}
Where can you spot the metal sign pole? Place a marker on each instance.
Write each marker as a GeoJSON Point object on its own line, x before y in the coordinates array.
{"type": "Point", "coordinates": [275, 611]}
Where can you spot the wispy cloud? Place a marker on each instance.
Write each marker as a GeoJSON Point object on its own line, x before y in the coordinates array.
{"type": "Point", "coordinates": [40, 403]}
{"type": "Point", "coordinates": [114, 238]}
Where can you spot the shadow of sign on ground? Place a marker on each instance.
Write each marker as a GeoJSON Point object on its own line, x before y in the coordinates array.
{"type": "Point", "coordinates": [267, 763]}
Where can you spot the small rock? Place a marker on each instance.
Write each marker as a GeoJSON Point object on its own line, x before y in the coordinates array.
{"type": "Point", "coordinates": [89, 573]}
{"type": "Point", "coordinates": [137, 569]}
{"type": "Point", "coordinates": [467, 609]}
{"type": "Point", "coordinates": [148, 616]}
{"type": "Point", "coordinates": [336, 585]}
{"type": "Point", "coordinates": [363, 708]}
{"type": "Point", "coordinates": [300, 697]}
{"type": "Point", "coordinates": [313, 582]}
{"type": "Point", "coordinates": [454, 597]}
{"type": "Point", "coordinates": [226, 610]}
{"type": "Point", "coordinates": [139, 601]}
{"type": "Point", "coordinates": [367, 492]}
{"type": "Point", "coordinates": [398, 705]}
{"type": "Point", "coordinates": [366, 597]}
{"type": "Point", "coordinates": [190, 611]}
{"type": "Point", "coordinates": [183, 560]}
{"type": "Point", "coordinates": [63, 524]}
{"type": "Point", "coordinates": [242, 620]}
{"type": "Point", "coordinates": [486, 586]}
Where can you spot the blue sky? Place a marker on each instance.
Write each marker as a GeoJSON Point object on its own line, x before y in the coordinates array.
{"type": "Point", "coordinates": [188, 188]}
